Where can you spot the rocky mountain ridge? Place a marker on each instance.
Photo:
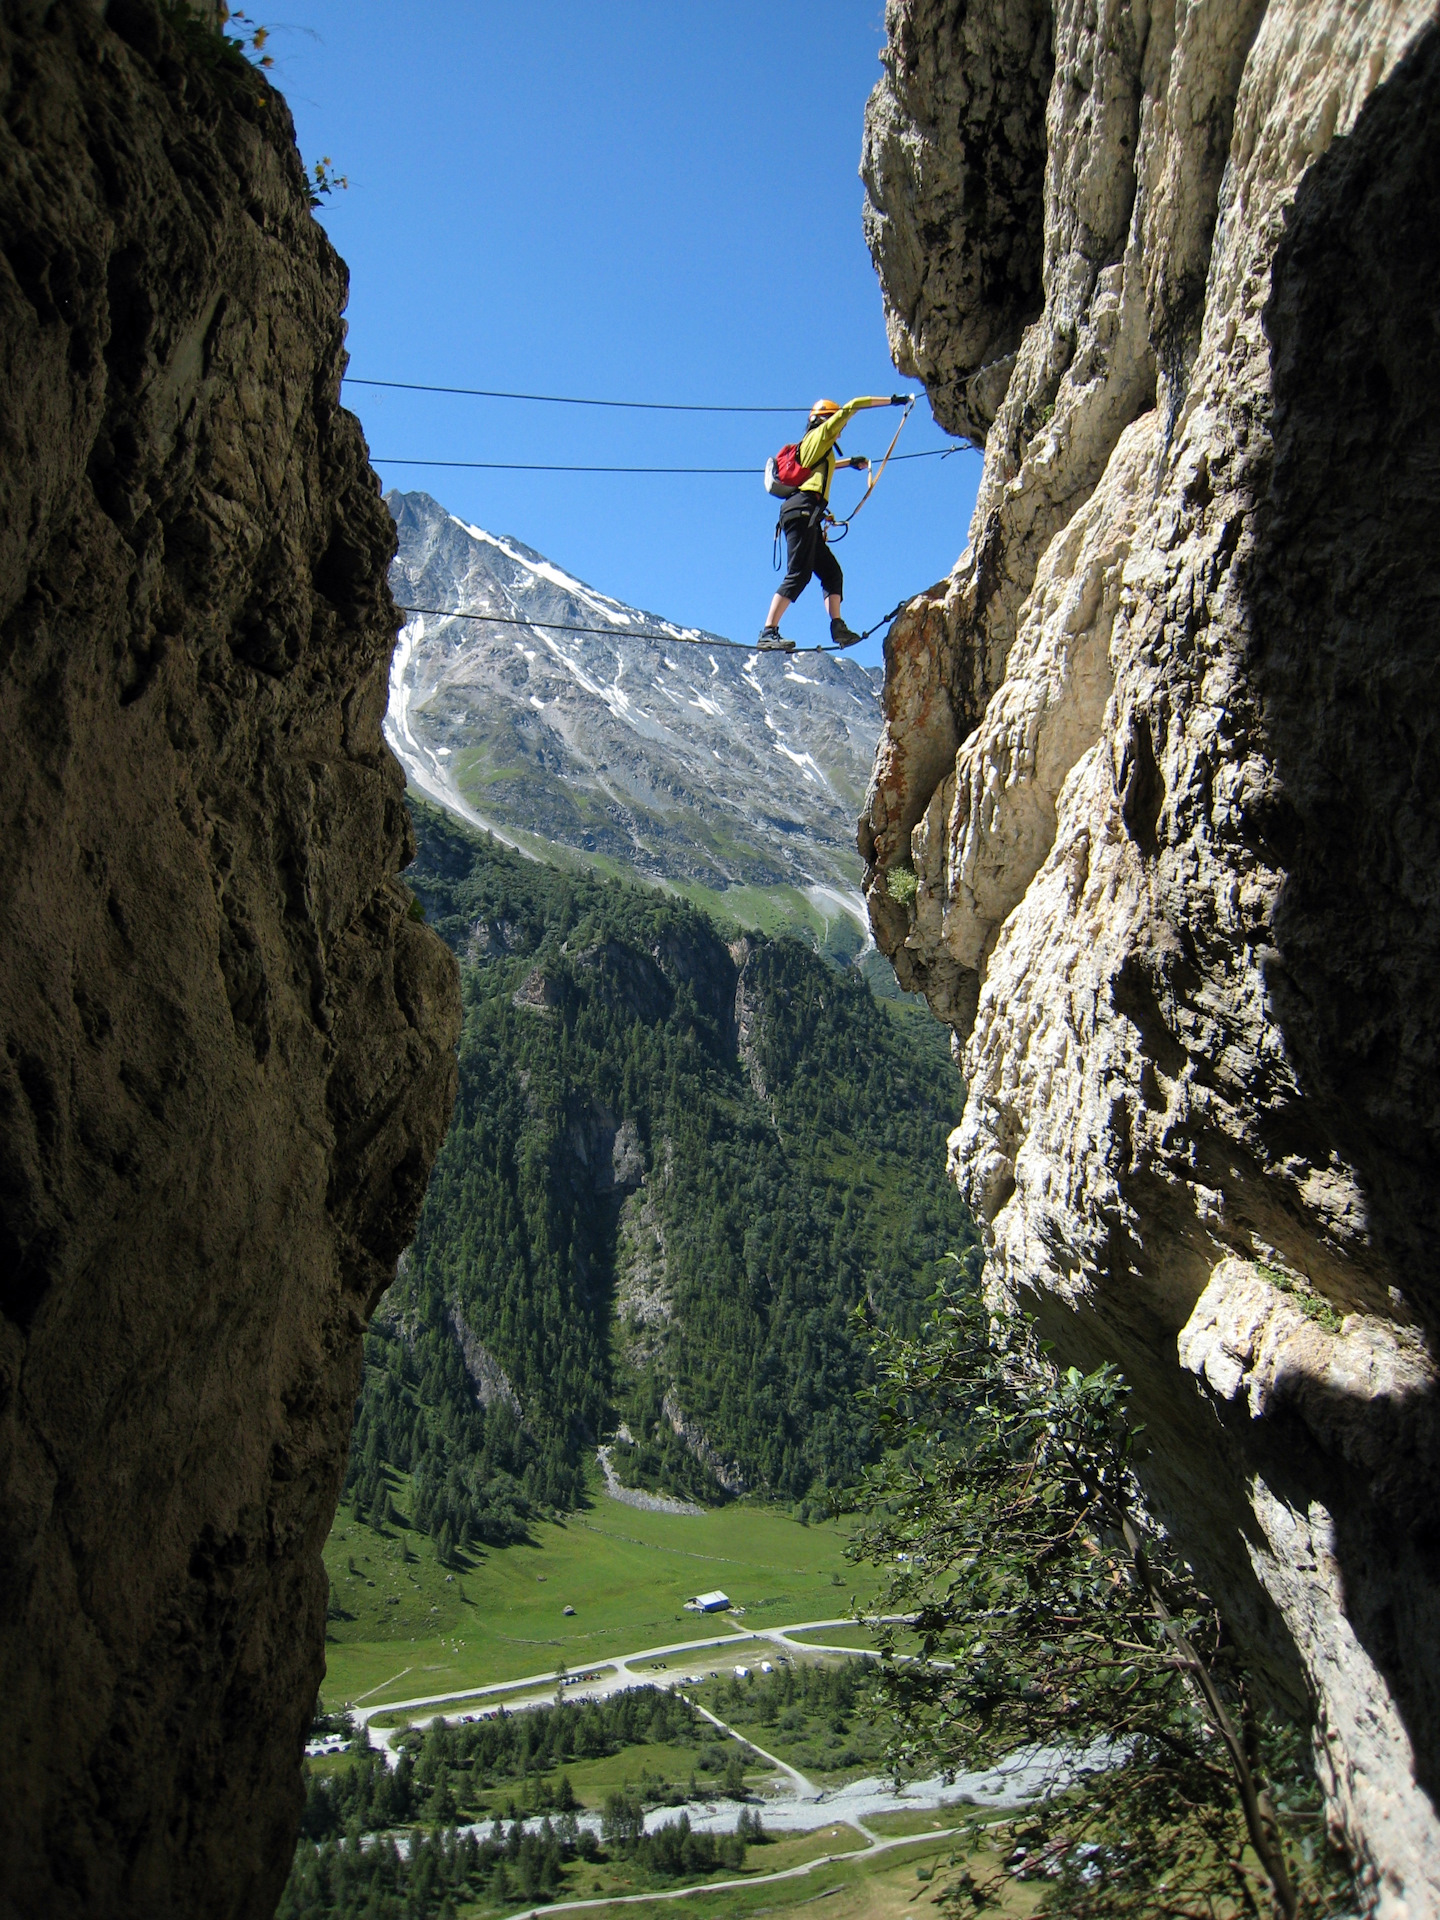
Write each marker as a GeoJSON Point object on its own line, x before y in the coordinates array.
{"type": "Point", "coordinates": [657, 748]}
{"type": "Point", "coordinates": [1154, 820]}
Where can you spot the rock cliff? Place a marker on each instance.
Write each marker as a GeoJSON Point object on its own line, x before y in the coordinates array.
{"type": "Point", "coordinates": [1154, 821]}
{"type": "Point", "coordinates": [227, 1055]}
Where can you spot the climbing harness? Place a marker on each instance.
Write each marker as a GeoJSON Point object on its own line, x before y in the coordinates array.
{"type": "Point", "coordinates": [820, 515]}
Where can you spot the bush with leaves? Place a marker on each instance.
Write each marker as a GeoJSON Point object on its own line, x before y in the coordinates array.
{"type": "Point", "coordinates": [1050, 1611]}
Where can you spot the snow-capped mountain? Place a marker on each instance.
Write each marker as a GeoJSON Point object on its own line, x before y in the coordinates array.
{"type": "Point", "coordinates": [649, 744]}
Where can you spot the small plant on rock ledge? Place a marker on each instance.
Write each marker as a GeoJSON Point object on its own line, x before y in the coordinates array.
{"type": "Point", "coordinates": [1008, 1517]}
{"type": "Point", "coordinates": [246, 35]}
{"type": "Point", "coordinates": [323, 182]}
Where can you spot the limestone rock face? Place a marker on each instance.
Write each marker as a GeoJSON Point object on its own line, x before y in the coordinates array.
{"type": "Point", "coordinates": [227, 1057]}
{"type": "Point", "coordinates": [1155, 820]}
{"type": "Point", "coordinates": [955, 215]}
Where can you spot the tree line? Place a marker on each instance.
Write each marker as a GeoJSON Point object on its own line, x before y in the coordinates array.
{"type": "Point", "coordinates": [445, 1768]}
{"type": "Point", "coordinates": [434, 1874]}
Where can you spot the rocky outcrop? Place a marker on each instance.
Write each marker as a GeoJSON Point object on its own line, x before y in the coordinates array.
{"type": "Point", "coordinates": [630, 982]}
{"type": "Point", "coordinates": [1154, 820]}
{"type": "Point", "coordinates": [644, 1306]}
{"type": "Point", "coordinates": [227, 1055]}
{"type": "Point", "coordinates": [955, 205]}
{"type": "Point", "coordinates": [725, 1472]}
{"type": "Point", "coordinates": [484, 1371]}
{"type": "Point", "coordinates": [748, 1015]}
{"type": "Point", "coordinates": [601, 1154]}
{"type": "Point", "coordinates": [538, 993]}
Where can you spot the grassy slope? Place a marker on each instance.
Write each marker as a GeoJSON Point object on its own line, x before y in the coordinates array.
{"type": "Point", "coordinates": [771, 910]}
{"type": "Point", "coordinates": [889, 1887]}
{"type": "Point", "coordinates": [626, 1573]}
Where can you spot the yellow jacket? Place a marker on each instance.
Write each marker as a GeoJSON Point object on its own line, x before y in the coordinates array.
{"type": "Point", "coordinates": [818, 449]}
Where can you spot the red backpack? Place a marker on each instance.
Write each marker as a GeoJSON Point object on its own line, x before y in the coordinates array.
{"type": "Point", "coordinates": [784, 474]}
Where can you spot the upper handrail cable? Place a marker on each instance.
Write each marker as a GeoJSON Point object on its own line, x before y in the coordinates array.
{"type": "Point", "coordinates": [525, 466]}
{"type": "Point", "coordinates": [562, 399]}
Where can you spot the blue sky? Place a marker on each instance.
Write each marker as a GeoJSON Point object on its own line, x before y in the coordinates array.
{"type": "Point", "coordinates": [637, 201]}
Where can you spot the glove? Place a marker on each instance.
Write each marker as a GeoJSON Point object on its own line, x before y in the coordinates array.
{"type": "Point", "coordinates": [900, 399]}
{"type": "Point", "coordinates": [861, 460]}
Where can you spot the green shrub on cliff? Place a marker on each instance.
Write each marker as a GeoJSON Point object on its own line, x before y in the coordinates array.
{"type": "Point", "coordinates": [1049, 1612]}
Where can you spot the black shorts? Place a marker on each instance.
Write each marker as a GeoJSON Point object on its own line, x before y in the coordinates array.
{"type": "Point", "coordinates": [802, 522]}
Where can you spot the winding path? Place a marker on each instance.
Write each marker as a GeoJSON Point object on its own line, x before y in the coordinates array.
{"type": "Point", "coordinates": [748, 1880]}
{"type": "Point", "coordinates": [804, 1789]}
{"type": "Point", "coordinates": [619, 1677]}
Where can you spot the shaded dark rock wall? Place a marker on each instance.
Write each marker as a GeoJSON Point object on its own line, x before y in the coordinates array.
{"type": "Point", "coordinates": [227, 1051]}
{"type": "Point", "coordinates": [1344, 595]}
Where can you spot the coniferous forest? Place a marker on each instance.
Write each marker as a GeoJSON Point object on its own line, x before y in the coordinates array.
{"type": "Point", "coordinates": [681, 1159]}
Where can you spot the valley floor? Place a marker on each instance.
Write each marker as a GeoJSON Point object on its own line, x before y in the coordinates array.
{"type": "Point", "coordinates": [403, 1626]}
{"type": "Point", "coordinates": [412, 1640]}
{"type": "Point", "coordinates": [855, 1876]}
{"type": "Point", "coordinates": [836, 1831]}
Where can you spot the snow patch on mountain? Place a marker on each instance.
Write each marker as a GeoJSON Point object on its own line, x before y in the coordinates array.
{"type": "Point", "coordinates": [645, 742]}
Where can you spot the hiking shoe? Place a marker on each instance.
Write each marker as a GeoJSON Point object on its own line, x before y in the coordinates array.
{"type": "Point", "coordinates": [842, 635]}
{"type": "Point", "coordinates": [773, 641]}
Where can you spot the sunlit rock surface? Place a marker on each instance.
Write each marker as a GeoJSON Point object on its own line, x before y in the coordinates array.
{"type": "Point", "coordinates": [1161, 758]}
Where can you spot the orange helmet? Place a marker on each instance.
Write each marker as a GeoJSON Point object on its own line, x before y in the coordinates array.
{"type": "Point", "coordinates": [822, 409]}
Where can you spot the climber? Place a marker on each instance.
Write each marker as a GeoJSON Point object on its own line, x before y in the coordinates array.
{"type": "Point", "coordinates": [803, 516]}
